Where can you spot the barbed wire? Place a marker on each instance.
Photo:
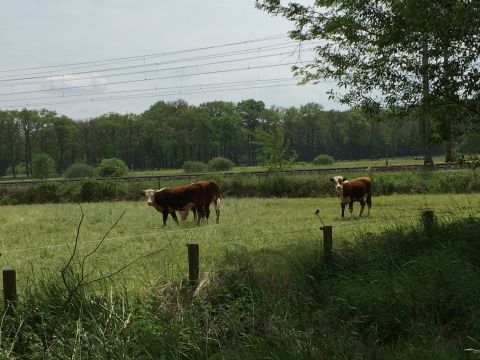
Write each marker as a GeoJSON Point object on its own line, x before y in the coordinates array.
{"type": "Point", "coordinates": [347, 223]}
{"type": "Point", "coordinates": [107, 239]}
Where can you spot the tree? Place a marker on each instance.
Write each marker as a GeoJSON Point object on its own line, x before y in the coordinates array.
{"type": "Point", "coordinates": [408, 54]}
{"type": "Point", "coordinates": [31, 122]}
{"type": "Point", "coordinates": [227, 126]}
{"type": "Point", "coordinates": [10, 139]}
{"type": "Point", "coordinates": [274, 151]}
{"type": "Point", "coordinates": [112, 168]}
{"type": "Point", "coordinates": [252, 114]}
{"type": "Point", "coordinates": [42, 166]}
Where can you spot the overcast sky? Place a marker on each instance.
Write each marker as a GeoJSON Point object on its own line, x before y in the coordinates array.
{"type": "Point", "coordinates": [150, 50]}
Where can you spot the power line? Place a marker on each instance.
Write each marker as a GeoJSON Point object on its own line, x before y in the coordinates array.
{"type": "Point", "coordinates": [140, 57]}
{"type": "Point", "coordinates": [111, 98]}
{"type": "Point", "coordinates": [150, 79]}
{"type": "Point", "coordinates": [203, 86]}
{"type": "Point", "coordinates": [135, 72]}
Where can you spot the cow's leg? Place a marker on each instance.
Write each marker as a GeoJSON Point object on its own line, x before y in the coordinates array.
{"type": "Point", "coordinates": [200, 211]}
{"type": "Point", "coordinates": [350, 208]}
{"type": "Point", "coordinates": [207, 212]}
{"type": "Point", "coordinates": [343, 209]}
{"type": "Point", "coordinates": [165, 216]}
{"type": "Point", "coordinates": [217, 209]}
{"type": "Point", "coordinates": [174, 217]}
{"type": "Point", "coordinates": [369, 203]}
{"type": "Point", "coordinates": [194, 211]}
{"type": "Point", "coordinates": [362, 204]}
{"type": "Point", "coordinates": [184, 214]}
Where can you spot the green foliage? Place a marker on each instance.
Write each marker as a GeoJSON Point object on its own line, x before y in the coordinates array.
{"type": "Point", "coordinates": [220, 164]}
{"type": "Point", "coordinates": [436, 182]}
{"type": "Point", "coordinates": [323, 159]}
{"type": "Point", "coordinates": [112, 167]}
{"type": "Point", "coordinates": [42, 166]}
{"type": "Point", "coordinates": [94, 190]}
{"type": "Point", "coordinates": [274, 149]}
{"type": "Point", "coordinates": [4, 164]}
{"type": "Point", "coordinates": [190, 167]}
{"type": "Point", "coordinates": [80, 170]}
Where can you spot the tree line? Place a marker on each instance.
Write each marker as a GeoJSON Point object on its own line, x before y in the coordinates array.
{"type": "Point", "coordinates": [170, 133]}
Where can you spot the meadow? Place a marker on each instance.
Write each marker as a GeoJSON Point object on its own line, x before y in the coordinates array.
{"type": "Point", "coordinates": [406, 160]}
{"type": "Point", "coordinates": [394, 289]}
{"type": "Point", "coordinates": [39, 238]}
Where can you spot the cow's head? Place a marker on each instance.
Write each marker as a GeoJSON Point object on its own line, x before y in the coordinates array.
{"type": "Point", "coordinates": [149, 195]}
{"type": "Point", "coordinates": [338, 183]}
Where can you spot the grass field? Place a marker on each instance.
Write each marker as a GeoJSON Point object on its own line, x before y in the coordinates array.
{"type": "Point", "coordinates": [408, 160]}
{"type": "Point", "coordinates": [409, 293]}
{"type": "Point", "coordinates": [38, 238]}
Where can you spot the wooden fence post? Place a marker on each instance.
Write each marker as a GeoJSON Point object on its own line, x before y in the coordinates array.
{"type": "Point", "coordinates": [193, 263]}
{"type": "Point", "coordinates": [327, 244]}
{"type": "Point", "coordinates": [9, 290]}
{"type": "Point", "coordinates": [428, 219]}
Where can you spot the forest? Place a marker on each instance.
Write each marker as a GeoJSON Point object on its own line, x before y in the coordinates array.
{"type": "Point", "coordinates": [170, 133]}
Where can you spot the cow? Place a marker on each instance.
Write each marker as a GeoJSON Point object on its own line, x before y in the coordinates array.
{"type": "Point", "coordinates": [196, 197]}
{"type": "Point", "coordinates": [150, 196]}
{"type": "Point", "coordinates": [212, 194]}
{"type": "Point", "coordinates": [179, 198]}
{"type": "Point", "coordinates": [183, 212]}
{"type": "Point", "coordinates": [349, 191]}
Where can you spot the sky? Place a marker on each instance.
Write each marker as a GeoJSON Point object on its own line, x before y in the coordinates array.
{"type": "Point", "coordinates": [90, 57]}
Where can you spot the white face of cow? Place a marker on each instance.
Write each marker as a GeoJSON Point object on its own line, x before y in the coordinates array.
{"type": "Point", "coordinates": [149, 195]}
{"type": "Point", "coordinates": [338, 183]}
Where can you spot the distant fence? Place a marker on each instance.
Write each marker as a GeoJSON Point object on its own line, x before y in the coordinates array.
{"type": "Point", "coordinates": [227, 174]}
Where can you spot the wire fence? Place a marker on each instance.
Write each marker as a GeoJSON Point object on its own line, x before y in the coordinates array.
{"type": "Point", "coordinates": [354, 225]}
{"type": "Point", "coordinates": [313, 233]}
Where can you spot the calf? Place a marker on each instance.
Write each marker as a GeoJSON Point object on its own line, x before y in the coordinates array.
{"type": "Point", "coordinates": [180, 198]}
{"type": "Point", "coordinates": [212, 194]}
{"type": "Point", "coordinates": [349, 191]}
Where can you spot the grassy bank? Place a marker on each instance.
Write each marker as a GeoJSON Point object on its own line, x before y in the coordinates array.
{"type": "Point", "coordinates": [396, 293]}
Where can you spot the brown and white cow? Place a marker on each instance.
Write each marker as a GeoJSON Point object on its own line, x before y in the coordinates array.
{"type": "Point", "coordinates": [349, 191]}
{"type": "Point", "coordinates": [169, 200]}
{"type": "Point", "coordinates": [183, 212]}
{"type": "Point", "coordinates": [196, 197]}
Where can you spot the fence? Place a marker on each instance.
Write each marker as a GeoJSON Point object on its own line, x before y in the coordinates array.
{"type": "Point", "coordinates": [427, 219]}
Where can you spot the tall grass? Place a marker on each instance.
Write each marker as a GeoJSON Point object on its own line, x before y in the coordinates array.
{"type": "Point", "coordinates": [401, 294]}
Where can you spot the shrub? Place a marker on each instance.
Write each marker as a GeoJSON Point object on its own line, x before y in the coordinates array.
{"type": "Point", "coordinates": [323, 159]}
{"type": "Point", "coordinates": [194, 167]}
{"type": "Point", "coordinates": [220, 164]}
{"type": "Point", "coordinates": [112, 167]}
{"type": "Point", "coordinates": [42, 166]}
{"type": "Point", "coordinates": [80, 170]}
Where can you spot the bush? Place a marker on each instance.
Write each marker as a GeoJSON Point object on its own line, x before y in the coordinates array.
{"type": "Point", "coordinates": [112, 168]}
{"type": "Point", "coordinates": [220, 164]}
{"type": "Point", "coordinates": [42, 166]}
{"type": "Point", "coordinates": [80, 170]}
{"type": "Point", "coordinates": [323, 159]}
{"type": "Point", "coordinates": [194, 167]}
